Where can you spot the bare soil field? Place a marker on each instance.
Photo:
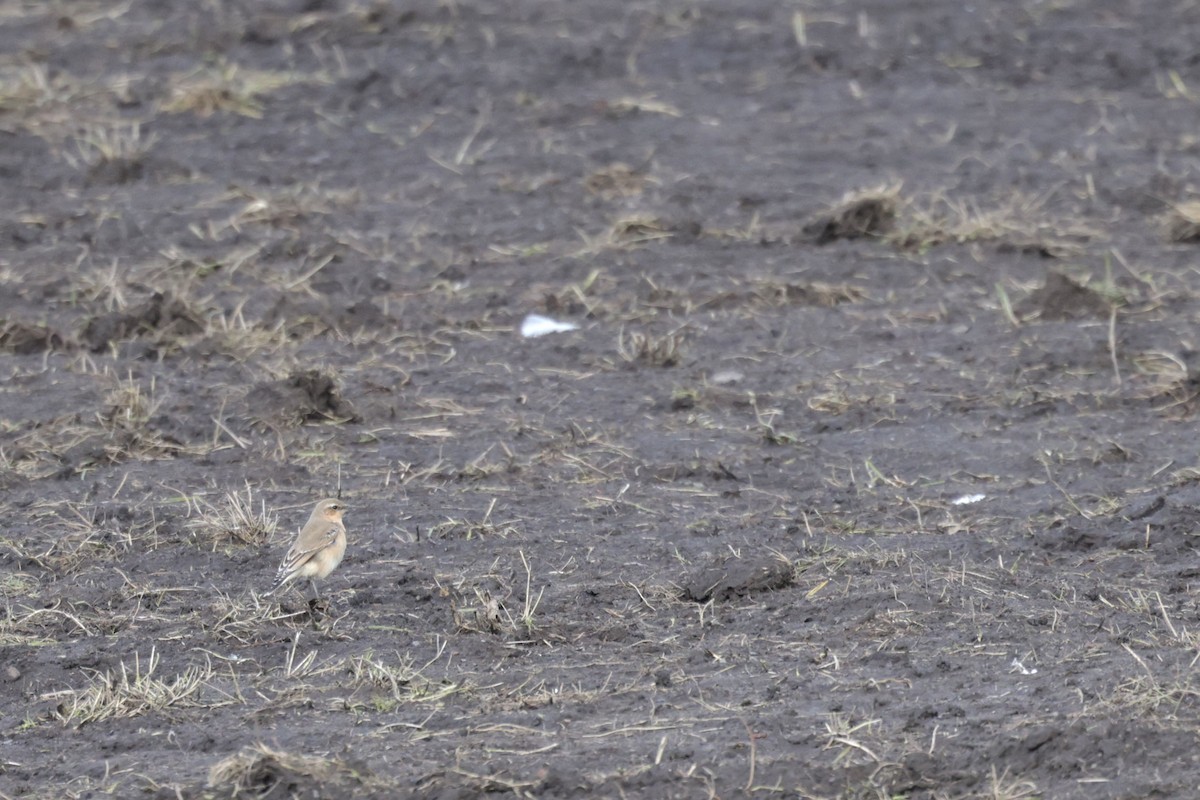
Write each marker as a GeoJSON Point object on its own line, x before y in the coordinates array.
{"type": "Point", "coordinates": [870, 469]}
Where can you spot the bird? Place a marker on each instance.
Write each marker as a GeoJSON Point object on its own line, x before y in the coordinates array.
{"type": "Point", "coordinates": [318, 548]}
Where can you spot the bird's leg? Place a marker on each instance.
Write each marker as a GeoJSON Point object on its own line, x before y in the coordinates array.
{"type": "Point", "coordinates": [316, 606]}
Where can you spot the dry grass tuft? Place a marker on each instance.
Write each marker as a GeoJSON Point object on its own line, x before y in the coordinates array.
{"type": "Point", "coordinates": [126, 425]}
{"type": "Point", "coordinates": [124, 429]}
{"type": "Point", "coordinates": [131, 692]}
{"type": "Point", "coordinates": [30, 87]}
{"type": "Point", "coordinates": [868, 212]}
{"type": "Point", "coordinates": [46, 625]}
{"type": "Point", "coordinates": [484, 614]}
{"type": "Point", "coordinates": [1002, 786]}
{"type": "Point", "coordinates": [246, 621]}
{"type": "Point", "coordinates": [651, 350]}
{"type": "Point", "coordinates": [290, 207]}
{"type": "Point", "coordinates": [647, 104]}
{"type": "Point", "coordinates": [113, 153]}
{"type": "Point", "coordinates": [490, 611]}
{"type": "Point", "coordinates": [229, 89]}
{"type": "Point", "coordinates": [401, 682]}
{"type": "Point", "coordinates": [1019, 221]}
{"type": "Point", "coordinates": [39, 102]}
{"type": "Point", "coordinates": [78, 539]}
{"type": "Point", "coordinates": [816, 293]}
{"type": "Point", "coordinates": [636, 230]}
{"type": "Point", "coordinates": [1172, 379]}
{"type": "Point", "coordinates": [262, 771]}
{"type": "Point", "coordinates": [235, 520]}
{"type": "Point", "coordinates": [127, 405]}
{"type": "Point", "coordinates": [615, 180]}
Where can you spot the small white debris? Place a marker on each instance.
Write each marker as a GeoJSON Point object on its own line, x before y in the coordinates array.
{"type": "Point", "coordinates": [537, 325]}
{"type": "Point", "coordinates": [1017, 666]}
{"type": "Point", "coordinates": [967, 499]}
{"type": "Point", "coordinates": [726, 377]}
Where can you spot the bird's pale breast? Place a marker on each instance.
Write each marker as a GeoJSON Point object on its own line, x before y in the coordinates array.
{"type": "Point", "coordinates": [326, 561]}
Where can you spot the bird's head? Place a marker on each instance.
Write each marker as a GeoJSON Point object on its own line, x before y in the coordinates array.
{"type": "Point", "coordinates": [331, 510]}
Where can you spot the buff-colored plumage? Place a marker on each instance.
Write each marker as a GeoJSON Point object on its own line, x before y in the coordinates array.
{"type": "Point", "coordinates": [318, 548]}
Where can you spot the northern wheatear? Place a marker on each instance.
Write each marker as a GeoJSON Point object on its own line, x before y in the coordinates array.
{"type": "Point", "coordinates": [318, 548]}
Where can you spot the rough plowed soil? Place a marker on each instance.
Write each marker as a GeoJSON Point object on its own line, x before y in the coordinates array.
{"type": "Point", "coordinates": [870, 470]}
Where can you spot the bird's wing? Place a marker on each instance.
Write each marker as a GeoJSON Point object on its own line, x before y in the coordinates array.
{"type": "Point", "coordinates": [310, 542]}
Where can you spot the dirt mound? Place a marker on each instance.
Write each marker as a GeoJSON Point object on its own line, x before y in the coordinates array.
{"type": "Point", "coordinates": [302, 397]}
{"type": "Point", "coordinates": [161, 318]}
{"type": "Point", "coordinates": [735, 577]}
{"type": "Point", "coordinates": [859, 215]}
{"type": "Point", "coordinates": [263, 773]}
{"type": "Point", "coordinates": [22, 339]}
{"type": "Point", "coordinates": [1061, 298]}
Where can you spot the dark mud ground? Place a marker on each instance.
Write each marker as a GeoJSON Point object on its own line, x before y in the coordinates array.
{"type": "Point", "coordinates": [252, 254]}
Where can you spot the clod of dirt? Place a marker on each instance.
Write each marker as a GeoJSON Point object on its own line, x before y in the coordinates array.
{"type": "Point", "coordinates": [24, 339]}
{"type": "Point", "coordinates": [857, 216]}
{"type": "Point", "coordinates": [263, 773]}
{"type": "Point", "coordinates": [382, 17]}
{"type": "Point", "coordinates": [116, 171]}
{"type": "Point", "coordinates": [162, 316]}
{"type": "Point", "coordinates": [364, 315]}
{"type": "Point", "coordinates": [1061, 298]}
{"type": "Point", "coordinates": [307, 396]}
{"type": "Point", "coordinates": [733, 577]}
{"type": "Point", "coordinates": [615, 180]}
{"type": "Point", "coordinates": [1146, 509]}
{"type": "Point", "coordinates": [1182, 222]}
{"type": "Point", "coordinates": [1191, 366]}
{"type": "Point", "coordinates": [314, 316]}
{"type": "Point", "coordinates": [132, 169]}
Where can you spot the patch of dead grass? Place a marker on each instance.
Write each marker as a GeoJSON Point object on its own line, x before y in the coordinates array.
{"type": "Point", "coordinates": [37, 627]}
{"type": "Point", "coordinates": [623, 233]}
{"type": "Point", "coordinates": [485, 604]}
{"type": "Point", "coordinates": [395, 682]}
{"type": "Point", "coordinates": [773, 292]}
{"type": "Point", "coordinates": [920, 222]}
{"type": "Point", "coordinates": [229, 89]}
{"type": "Point", "coordinates": [615, 181]}
{"type": "Point", "coordinates": [649, 349]}
{"type": "Point", "coordinates": [75, 537]}
{"type": "Point", "coordinates": [132, 691]}
{"type": "Point", "coordinates": [33, 96]}
{"type": "Point", "coordinates": [114, 152]}
{"type": "Point", "coordinates": [1003, 786]}
{"type": "Point", "coordinates": [244, 621]}
{"type": "Point", "coordinates": [262, 771]}
{"type": "Point", "coordinates": [646, 104]}
{"type": "Point", "coordinates": [1147, 695]}
{"type": "Point", "coordinates": [1020, 221]}
{"type": "Point", "coordinates": [234, 520]}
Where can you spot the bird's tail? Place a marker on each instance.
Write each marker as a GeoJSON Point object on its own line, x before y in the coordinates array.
{"type": "Point", "coordinates": [279, 581]}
